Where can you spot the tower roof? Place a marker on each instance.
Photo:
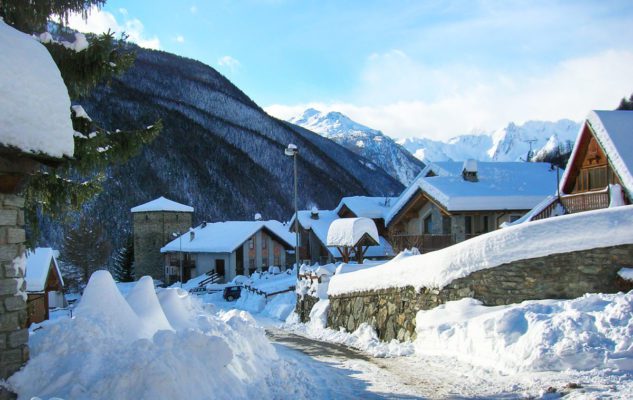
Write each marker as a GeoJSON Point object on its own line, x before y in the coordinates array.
{"type": "Point", "coordinates": [162, 204]}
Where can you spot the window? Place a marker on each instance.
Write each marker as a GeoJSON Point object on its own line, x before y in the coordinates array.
{"type": "Point", "coordinates": [446, 224]}
{"type": "Point", "coordinates": [486, 226]}
{"type": "Point", "coordinates": [264, 241]}
{"type": "Point", "coordinates": [251, 264]}
{"type": "Point", "coordinates": [468, 224]}
{"type": "Point", "coordinates": [514, 217]}
{"type": "Point", "coordinates": [428, 224]}
{"type": "Point", "coordinates": [251, 243]}
{"type": "Point", "coordinates": [597, 178]}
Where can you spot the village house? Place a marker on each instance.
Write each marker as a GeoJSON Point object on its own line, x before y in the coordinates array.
{"type": "Point", "coordinates": [375, 208]}
{"type": "Point", "coordinates": [313, 230]}
{"type": "Point", "coordinates": [155, 223]}
{"type": "Point", "coordinates": [44, 284]}
{"type": "Point", "coordinates": [450, 202]}
{"type": "Point", "coordinates": [228, 249]}
{"type": "Point", "coordinates": [598, 173]}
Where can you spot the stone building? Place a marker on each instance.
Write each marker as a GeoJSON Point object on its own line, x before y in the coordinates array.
{"type": "Point", "coordinates": [450, 202]}
{"type": "Point", "coordinates": [228, 249]}
{"type": "Point", "coordinates": [156, 223]}
{"type": "Point", "coordinates": [35, 128]}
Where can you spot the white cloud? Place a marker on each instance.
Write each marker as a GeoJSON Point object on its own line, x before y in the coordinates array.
{"type": "Point", "coordinates": [404, 98]}
{"type": "Point", "coordinates": [229, 63]}
{"type": "Point", "coordinates": [100, 21]}
{"type": "Point", "coordinates": [180, 39]}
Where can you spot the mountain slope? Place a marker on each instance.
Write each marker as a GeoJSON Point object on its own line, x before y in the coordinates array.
{"type": "Point", "coordinates": [511, 143]}
{"type": "Point", "coordinates": [219, 152]}
{"type": "Point", "coordinates": [378, 149]}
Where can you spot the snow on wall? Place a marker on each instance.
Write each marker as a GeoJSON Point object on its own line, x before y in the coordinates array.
{"type": "Point", "coordinates": [34, 102]}
{"type": "Point", "coordinates": [567, 233]}
{"type": "Point", "coordinates": [349, 231]}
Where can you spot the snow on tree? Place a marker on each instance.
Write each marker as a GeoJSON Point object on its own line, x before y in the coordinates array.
{"type": "Point", "coordinates": [123, 268]}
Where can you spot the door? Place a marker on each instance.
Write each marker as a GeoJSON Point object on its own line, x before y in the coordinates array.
{"type": "Point", "coordinates": [219, 267]}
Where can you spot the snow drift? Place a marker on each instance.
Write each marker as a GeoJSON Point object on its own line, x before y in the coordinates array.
{"type": "Point", "coordinates": [593, 331]}
{"type": "Point", "coordinates": [115, 348]}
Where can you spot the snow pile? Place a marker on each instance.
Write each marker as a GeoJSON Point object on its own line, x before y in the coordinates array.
{"type": "Point", "coordinates": [626, 274]}
{"type": "Point", "coordinates": [593, 331]}
{"type": "Point", "coordinates": [34, 105]}
{"type": "Point", "coordinates": [254, 300]}
{"type": "Point", "coordinates": [349, 231]}
{"type": "Point", "coordinates": [567, 233]}
{"type": "Point", "coordinates": [109, 351]}
{"type": "Point", "coordinates": [364, 338]}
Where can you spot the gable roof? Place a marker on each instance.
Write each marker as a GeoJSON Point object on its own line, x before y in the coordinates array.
{"type": "Point", "coordinates": [38, 264]}
{"type": "Point", "coordinates": [352, 231]}
{"type": "Point", "coordinates": [500, 186]}
{"type": "Point", "coordinates": [365, 206]}
{"type": "Point", "coordinates": [162, 204]}
{"type": "Point", "coordinates": [320, 229]}
{"type": "Point", "coordinates": [226, 237]}
{"type": "Point", "coordinates": [614, 132]}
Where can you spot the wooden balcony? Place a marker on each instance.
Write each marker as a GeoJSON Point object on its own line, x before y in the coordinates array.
{"type": "Point", "coordinates": [579, 202]}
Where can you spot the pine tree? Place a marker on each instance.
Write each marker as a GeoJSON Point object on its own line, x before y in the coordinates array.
{"type": "Point", "coordinates": [86, 249]}
{"type": "Point", "coordinates": [67, 184]}
{"type": "Point", "coordinates": [626, 104]}
{"type": "Point", "coordinates": [123, 268]}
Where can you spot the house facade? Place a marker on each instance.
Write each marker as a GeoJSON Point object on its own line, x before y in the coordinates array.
{"type": "Point", "coordinates": [313, 230]}
{"type": "Point", "coordinates": [154, 225]}
{"type": "Point", "coordinates": [451, 202]}
{"type": "Point", "coordinates": [44, 284]}
{"type": "Point", "coordinates": [227, 249]}
{"type": "Point", "coordinates": [598, 173]}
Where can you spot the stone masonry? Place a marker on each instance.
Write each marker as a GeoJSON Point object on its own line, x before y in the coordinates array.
{"type": "Point", "coordinates": [152, 230]}
{"type": "Point", "coordinates": [14, 335]}
{"type": "Point", "coordinates": [392, 312]}
{"type": "Point", "coordinates": [304, 306]}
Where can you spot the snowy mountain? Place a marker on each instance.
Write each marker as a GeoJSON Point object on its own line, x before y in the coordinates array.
{"type": "Point", "coordinates": [378, 149]}
{"type": "Point", "coordinates": [511, 143]}
{"type": "Point", "coordinates": [218, 152]}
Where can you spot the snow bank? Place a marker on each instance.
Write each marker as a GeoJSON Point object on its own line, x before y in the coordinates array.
{"type": "Point", "coordinates": [34, 106]}
{"type": "Point", "coordinates": [142, 299]}
{"type": "Point", "coordinates": [609, 227]}
{"type": "Point", "coordinates": [349, 231]}
{"type": "Point", "coordinates": [105, 352]}
{"type": "Point", "coordinates": [593, 331]}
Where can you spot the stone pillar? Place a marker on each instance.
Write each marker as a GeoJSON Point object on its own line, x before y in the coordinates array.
{"type": "Point", "coordinates": [14, 334]}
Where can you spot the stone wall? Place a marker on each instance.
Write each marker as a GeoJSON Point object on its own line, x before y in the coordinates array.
{"type": "Point", "coordinates": [561, 276]}
{"type": "Point", "coordinates": [14, 335]}
{"type": "Point", "coordinates": [152, 230]}
{"type": "Point", "coordinates": [304, 306]}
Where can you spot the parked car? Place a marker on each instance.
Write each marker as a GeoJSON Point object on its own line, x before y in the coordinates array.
{"type": "Point", "coordinates": [232, 293]}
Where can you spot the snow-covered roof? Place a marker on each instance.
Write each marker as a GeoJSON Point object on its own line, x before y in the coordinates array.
{"type": "Point", "coordinates": [349, 231]}
{"type": "Point", "coordinates": [563, 234]}
{"type": "Point", "coordinates": [614, 132]}
{"type": "Point", "coordinates": [320, 229]}
{"type": "Point", "coordinates": [34, 102]}
{"type": "Point", "coordinates": [37, 268]}
{"type": "Point", "coordinates": [162, 204]}
{"type": "Point", "coordinates": [368, 207]}
{"type": "Point", "coordinates": [225, 237]}
{"type": "Point", "coordinates": [500, 186]}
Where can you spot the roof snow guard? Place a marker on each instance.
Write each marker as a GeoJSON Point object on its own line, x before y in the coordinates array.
{"type": "Point", "coordinates": [162, 204]}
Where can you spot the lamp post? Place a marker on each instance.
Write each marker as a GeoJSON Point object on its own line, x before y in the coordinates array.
{"type": "Point", "coordinates": [293, 151]}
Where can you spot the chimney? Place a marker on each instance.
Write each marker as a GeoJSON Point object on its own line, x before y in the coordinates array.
{"type": "Point", "coordinates": [314, 213]}
{"type": "Point", "coordinates": [258, 217]}
{"type": "Point", "coordinates": [204, 224]}
{"type": "Point", "coordinates": [469, 171]}
{"type": "Point", "coordinates": [192, 235]}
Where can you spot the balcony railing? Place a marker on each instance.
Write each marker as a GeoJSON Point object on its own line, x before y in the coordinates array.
{"type": "Point", "coordinates": [574, 203]}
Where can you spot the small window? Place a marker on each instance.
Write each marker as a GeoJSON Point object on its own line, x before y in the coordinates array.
{"type": "Point", "coordinates": [428, 224]}
{"type": "Point", "coordinates": [264, 241]}
{"type": "Point", "coordinates": [597, 178]}
{"type": "Point", "coordinates": [486, 226]}
{"type": "Point", "coordinates": [468, 224]}
{"type": "Point", "coordinates": [251, 243]}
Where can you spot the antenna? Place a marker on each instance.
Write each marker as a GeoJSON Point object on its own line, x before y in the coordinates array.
{"type": "Point", "coordinates": [530, 152]}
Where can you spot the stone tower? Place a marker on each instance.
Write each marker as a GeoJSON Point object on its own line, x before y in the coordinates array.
{"type": "Point", "coordinates": [154, 225]}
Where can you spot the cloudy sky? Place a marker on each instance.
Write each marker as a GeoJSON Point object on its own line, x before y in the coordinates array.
{"type": "Point", "coordinates": [408, 67]}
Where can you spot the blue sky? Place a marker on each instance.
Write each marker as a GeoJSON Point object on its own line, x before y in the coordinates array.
{"type": "Point", "coordinates": [410, 68]}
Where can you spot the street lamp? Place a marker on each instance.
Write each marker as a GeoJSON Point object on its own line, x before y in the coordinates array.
{"type": "Point", "coordinates": [293, 151]}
